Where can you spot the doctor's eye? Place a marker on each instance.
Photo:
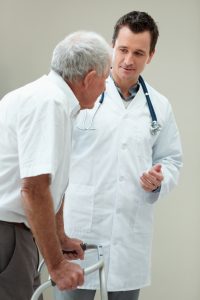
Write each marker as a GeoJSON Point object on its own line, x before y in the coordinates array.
{"type": "Point", "coordinates": [123, 50]}
{"type": "Point", "coordinates": [137, 53]}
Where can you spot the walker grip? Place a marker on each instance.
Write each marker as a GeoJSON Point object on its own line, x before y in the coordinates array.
{"type": "Point", "coordinates": [83, 246]}
{"type": "Point", "coordinates": [97, 266]}
{"type": "Point", "coordinates": [53, 283]}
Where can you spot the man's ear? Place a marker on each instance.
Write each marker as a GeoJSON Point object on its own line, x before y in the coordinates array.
{"type": "Point", "coordinates": [150, 56]}
{"type": "Point", "coordinates": [89, 78]}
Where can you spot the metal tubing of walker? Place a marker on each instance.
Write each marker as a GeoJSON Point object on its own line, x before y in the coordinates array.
{"type": "Point", "coordinates": [103, 288]}
{"type": "Point", "coordinates": [41, 289]}
{"type": "Point", "coordinates": [41, 265]}
{"type": "Point", "coordinates": [98, 266]}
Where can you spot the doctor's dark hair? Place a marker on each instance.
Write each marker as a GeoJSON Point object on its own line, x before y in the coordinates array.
{"type": "Point", "coordinates": [79, 53]}
{"type": "Point", "coordinates": [137, 22]}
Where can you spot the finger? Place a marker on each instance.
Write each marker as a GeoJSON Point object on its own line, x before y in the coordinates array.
{"type": "Point", "coordinates": [74, 254]}
{"type": "Point", "coordinates": [73, 286]}
{"type": "Point", "coordinates": [147, 179]}
{"type": "Point", "coordinates": [157, 167]}
{"type": "Point", "coordinates": [64, 284]}
{"type": "Point", "coordinates": [158, 176]}
{"type": "Point", "coordinates": [155, 180]}
{"type": "Point", "coordinates": [148, 185]}
{"type": "Point", "coordinates": [81, 278]}
{"type": "Point", "coordinates": [70, 256]}
{"type": "Point", "coordinates": [78, 279]}
{"type": "Point", "coordinates": [80, 253]}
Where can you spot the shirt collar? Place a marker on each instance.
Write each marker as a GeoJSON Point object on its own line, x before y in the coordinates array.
{"type": "Point", "coordinates": [132, 90]}
{"type": "Point", "coordinates": [59, 81]}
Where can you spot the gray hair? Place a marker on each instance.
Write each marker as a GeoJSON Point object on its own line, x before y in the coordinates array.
{"type": "Point", "coordinates": [79, 53]}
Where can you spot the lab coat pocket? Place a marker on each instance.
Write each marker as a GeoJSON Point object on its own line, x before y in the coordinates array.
{"type": "Point", "coordinates": [144, 218]}
{"type": "Point", "coordinates": [78, 209]}
{"type": "Point", "coordinates": [141, 143]}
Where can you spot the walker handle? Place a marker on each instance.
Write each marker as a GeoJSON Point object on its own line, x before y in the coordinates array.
{"type": "Point", "coordinates": [98, 266]}
{"type": "Point", "coordinates": [83, 246]}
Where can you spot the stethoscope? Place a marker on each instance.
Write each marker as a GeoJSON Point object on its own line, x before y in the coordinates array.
{"type": "Point", "coordinates": [84, 125]}
{"type": "Point", "coordinates": [155, 126]}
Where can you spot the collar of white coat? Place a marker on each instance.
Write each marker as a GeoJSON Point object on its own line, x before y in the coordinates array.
{"type": "Point", "coordinates": [112, 91]}
{"type": "Point", "coordinates": [59, 81]}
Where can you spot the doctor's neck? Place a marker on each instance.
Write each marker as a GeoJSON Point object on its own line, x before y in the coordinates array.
{"type": "Point", "coordinates": [124, 85]}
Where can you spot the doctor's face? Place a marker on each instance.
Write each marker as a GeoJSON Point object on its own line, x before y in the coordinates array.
{"type": "Point", "coordinates": [131, 54]}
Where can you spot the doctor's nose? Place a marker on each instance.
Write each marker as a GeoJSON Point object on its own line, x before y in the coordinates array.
{"type": "Point", "coordinates": [128, 60]}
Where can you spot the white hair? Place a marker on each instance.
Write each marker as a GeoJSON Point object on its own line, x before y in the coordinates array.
{"type": "Point", "coordinates": [79, 53]}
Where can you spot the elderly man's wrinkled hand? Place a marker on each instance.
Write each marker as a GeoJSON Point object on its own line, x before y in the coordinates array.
{"type": "Point", "coordinates": [72, 248]}
{"type": "Point", "coordinates": [67, 275]}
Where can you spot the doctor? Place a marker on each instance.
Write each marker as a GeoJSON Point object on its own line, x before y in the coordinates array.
{"type": "Point", "coordinates": [126, 155]}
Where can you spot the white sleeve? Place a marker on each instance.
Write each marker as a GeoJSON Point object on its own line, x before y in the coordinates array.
{"type": "Point", "coordinates": [41, 138]}
{"type": "Point", "coordinates": [168, 152]}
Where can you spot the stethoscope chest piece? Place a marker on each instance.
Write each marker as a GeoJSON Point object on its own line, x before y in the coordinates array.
{"type": "Point", "coordinates": [155, 127]}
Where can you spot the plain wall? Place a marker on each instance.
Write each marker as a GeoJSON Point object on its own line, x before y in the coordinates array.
{"type": "Point", "coordinates": [29, 30]}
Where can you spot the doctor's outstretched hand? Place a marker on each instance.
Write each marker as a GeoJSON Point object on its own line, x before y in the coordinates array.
{"type": "Point", "coordinates": [152, 179]}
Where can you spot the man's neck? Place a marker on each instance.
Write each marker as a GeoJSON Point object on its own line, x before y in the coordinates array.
{"type": "Point", "coordinates": [124, 86]}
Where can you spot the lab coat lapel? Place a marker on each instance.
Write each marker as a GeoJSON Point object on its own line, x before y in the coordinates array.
{"type": "Point", "coordinates": [138, 101]}
{"type": "Point", "coordinates": [113, 94]}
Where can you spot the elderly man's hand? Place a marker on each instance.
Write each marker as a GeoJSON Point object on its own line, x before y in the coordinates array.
{"type": "Point", "coordinates": [72, 248]}
{"type": "Point", "coordinates": [67, 275]}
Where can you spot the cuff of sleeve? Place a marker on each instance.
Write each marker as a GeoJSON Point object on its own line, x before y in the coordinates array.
{"type": "Point", "coordinates": [157, 190]}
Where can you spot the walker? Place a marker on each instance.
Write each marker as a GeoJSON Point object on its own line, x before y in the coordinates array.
{"type": "Point", "coordinates": [97, 266]}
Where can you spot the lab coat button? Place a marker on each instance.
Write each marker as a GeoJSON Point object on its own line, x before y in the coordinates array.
{"type": "Point", "coordinates": [124, 146]}
{"type": "Point", "coordinates": [114, 243]}
{"type": "Point", "coordinates": [125, 116]}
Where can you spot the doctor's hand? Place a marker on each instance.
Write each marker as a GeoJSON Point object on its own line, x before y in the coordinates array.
{"type": "Point", "coordinates": [152, 179]}
{"type": "Point", "coordinates": [72, 248]}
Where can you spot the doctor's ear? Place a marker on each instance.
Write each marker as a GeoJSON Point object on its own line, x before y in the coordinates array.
{"type": "Point", "coordinates": [89, 78]}
{"type": "Point", "coordinates": [151, 56]}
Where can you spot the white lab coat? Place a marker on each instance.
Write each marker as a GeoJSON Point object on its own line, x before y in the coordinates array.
{"type": "Point", "coordinates": [105, 203]}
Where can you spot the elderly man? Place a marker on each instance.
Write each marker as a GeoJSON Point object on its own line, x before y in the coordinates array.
{"type": "Point", "coordinates": [35, 130]}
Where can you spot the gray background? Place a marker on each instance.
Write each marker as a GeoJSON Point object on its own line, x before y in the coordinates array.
{"type": "Point", "coordinates": [29, 30]}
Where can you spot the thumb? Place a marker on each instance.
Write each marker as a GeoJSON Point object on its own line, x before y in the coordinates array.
{"type": "Point", "coordinates": [157, 167]}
